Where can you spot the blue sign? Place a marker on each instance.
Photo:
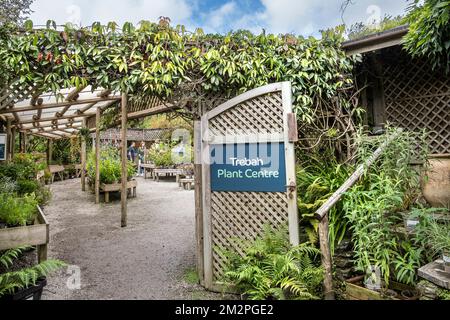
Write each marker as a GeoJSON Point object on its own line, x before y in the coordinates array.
{"type": "Point", "coordinates": [251, 167]}
{"type": "Point", "coordinates": [2, 147]}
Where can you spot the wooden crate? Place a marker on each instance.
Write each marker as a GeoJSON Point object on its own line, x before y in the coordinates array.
{"type": "Point", "coordinates": [355, 291]}
{"type": "Point", "coordinates": [107, 188]}
{"type": "Point", "coordinates": [37, 234]}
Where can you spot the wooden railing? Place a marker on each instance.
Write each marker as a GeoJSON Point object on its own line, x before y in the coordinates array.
{"type": "Point", "coordinates": [322, 213]}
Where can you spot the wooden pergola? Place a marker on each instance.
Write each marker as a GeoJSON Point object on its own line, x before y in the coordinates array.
{"type": "Point", "coordinates": [62, 116]}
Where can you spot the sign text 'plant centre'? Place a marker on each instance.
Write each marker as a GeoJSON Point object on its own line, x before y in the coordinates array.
{"type": "Point", "coordinates": [251, 167]}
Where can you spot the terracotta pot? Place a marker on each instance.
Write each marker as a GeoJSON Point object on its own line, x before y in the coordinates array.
{"type": "Point", "coordinates": [437, 189]}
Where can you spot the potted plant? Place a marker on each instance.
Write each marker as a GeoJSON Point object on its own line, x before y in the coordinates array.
{"type": "Point", "coordinates": [27, 282]}
{"type": "Point", "coordinates": [110, 172]}
{"type": "Point", "coordinates": [161, 156]}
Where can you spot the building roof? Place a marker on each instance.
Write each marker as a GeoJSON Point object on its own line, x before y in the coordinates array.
{"type": "Point", "coordinates": [376, 41]}
{"type": "Point", "coordinates": [147, 135]}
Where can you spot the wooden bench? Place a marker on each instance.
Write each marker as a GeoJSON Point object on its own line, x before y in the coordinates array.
{"type": "Point", "coordinates": [167, 172]}
{"type": "Point", "coordinates": [56, 170]}
{"type": "Point", "coordinates": [187, 183]}
{"type": "Point", "coordinates": [148, 168]}
{"type": "Point", "coordinates": [78, 170]}
{"type": "Point", "coordinates": [117, 187]}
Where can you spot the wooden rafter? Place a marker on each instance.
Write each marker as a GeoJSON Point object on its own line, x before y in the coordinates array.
{"type": "Point", "coordinates": [58, 105]}
{"type": "Point", "coordinates": [71, 97]}
{"type": "Point", "coordinates": [75, 116]}
{"type": "Point", "coordinates": [58, 123]}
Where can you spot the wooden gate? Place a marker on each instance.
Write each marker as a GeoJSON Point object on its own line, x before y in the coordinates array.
{"type": "Point", "coordinates": [261, 117]}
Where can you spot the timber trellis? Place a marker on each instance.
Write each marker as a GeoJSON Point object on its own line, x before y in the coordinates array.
{"type": "Point", "coordinates": [414, 97]}
{"type": "Point", "coordinates": [249, 118]}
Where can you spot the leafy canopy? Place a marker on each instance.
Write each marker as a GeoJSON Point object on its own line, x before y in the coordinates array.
{"type": "Point", "coordinates": [157, 59]}
{"type": "Point", "coordinates": [14, 11]}
{"type": "Point", "coordinates": [429, 32]}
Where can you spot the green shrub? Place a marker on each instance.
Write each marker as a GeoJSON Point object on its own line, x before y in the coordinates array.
{"type": "Point", "coordinates": [43, 196]}
{"type": "Point", "coordinates": [15, 211]}
{"type": "Point", "coordinates": [27, 186]}
{"type": "Point", "coordinates": [374, 206]}
{"type": "Point", "coordinates": [271, 268]}
{"type": "Point", "coordinates": [7, 185]}
{"type": "Point", "coordinates": [318, 177]}
{"type": "Point", "coordinates": [161, 155]}
{"type": "Point", "coordinates": [110, 166]}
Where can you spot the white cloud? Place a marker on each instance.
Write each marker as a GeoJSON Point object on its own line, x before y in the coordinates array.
{"type": "Point", "coordinates": [305, 17]}
{"type": "Point", "coordinates": [179, 11]}
{"type": "Point", "coordinates": [217, 17]}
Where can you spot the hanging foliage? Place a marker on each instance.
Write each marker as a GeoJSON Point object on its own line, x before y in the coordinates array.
{"type": "Point", "coordinates": [429, 32]}
{"type": "Point", "coordinates": [185, 68]}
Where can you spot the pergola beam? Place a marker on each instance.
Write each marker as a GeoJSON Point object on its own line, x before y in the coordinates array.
{"type": "Point", "coordinates": [152, 111]}
{"type": "Point", "coordinates": [74, 124]}
{"type": "Point", "coordinates": [75, 116]}
{"type": "Point", "coordinates": [58, 105]}
{"type": "Point", "coordinates": [71, 97]}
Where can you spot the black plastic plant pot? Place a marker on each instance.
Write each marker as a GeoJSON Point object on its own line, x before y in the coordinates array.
{"type": "Point", "coordinates": [30, 293]}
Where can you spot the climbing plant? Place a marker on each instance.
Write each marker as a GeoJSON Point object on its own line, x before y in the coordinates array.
{"type": "Point", "coordinates": [180, 66]}
{"type": "Point", "coordinates": [429, 32]}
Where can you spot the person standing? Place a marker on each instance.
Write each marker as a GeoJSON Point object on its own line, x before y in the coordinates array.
{"type": "Point", "coordinates": [132, 152]}
{"type": "Point", "coordinates": [141, 155]}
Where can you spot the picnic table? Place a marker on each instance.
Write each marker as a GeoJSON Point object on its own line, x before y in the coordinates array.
{"type": "Point", "coordinates": [148, 168]}
{"type": "Point", "coordinates": [186, 183]}
{"type": "Point", "coordinates": [56, 170]}
{"type": "Point", "coordinates": [167, 172]}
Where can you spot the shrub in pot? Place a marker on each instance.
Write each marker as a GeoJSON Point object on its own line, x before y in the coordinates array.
{"type": "Point", "coordinates": [19, 284]}
{"type": "Point", "coordinates": [17, 211]}
{"type": "Point", "coordinates": [110, 166]}
{"type": "Point", "coordinates": [161, 155]}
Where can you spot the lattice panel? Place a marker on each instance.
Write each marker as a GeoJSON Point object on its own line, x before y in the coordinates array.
{"type": "Point", "coordinates": [261, 115]}
{"type": "Point", "coordinates": [418, 98]}
{"type": "Point", "coordinates": [13, 94]}
{"type": "Point", "coordinates": [242, 216]}
{"type": "Point", "coordinates": [143, 103]}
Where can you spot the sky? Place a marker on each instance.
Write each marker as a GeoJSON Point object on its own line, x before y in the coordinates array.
{"type": "Point", "coordinates": [302, 17]}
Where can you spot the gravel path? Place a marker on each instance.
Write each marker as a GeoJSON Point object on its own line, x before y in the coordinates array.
{"type": "Point", "coordinates": [150, 259]}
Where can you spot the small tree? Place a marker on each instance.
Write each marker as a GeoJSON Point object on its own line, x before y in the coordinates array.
{"type": "Point", "coordinates": [14, 11]}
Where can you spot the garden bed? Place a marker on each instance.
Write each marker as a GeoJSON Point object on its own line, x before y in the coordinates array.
{"type": "Point", "coordinates": [33, 235]}
{"type": "Point", "coordinates": [116, 187]}
{"type": "Point", "coordinates": [355, 290]}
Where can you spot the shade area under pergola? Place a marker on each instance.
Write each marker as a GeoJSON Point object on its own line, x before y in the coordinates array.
{"type": "Point", "coordinates": [63, 115]}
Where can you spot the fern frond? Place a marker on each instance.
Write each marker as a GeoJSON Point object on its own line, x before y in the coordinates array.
{"type": "Point", "coordinates": [7, 258]}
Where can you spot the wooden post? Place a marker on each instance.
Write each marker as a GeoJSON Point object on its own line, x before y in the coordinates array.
{"type": "Point", "coordinates": [25, 142]}
{"type": "Point", "coordinates": [326, 259]}
{"type": "Point", "coordinates": [13, 142]}
{"type": "Point", "coordinates": [8, 140]}
{"type": "Point", "coordinates": [97, 156]}
{"type": "Point", "coordinates": [83, 160]}
{"type": "Point", "coordinates": [124, 190]}
{"type": "Point", "coordinates": [21, 142]}
{"type": "Point", "coordinates": [42, 253]}
{"type": "Point", "coordinates": [49, 151]}
{"type": "Point", "coordinates": [198, 199]}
